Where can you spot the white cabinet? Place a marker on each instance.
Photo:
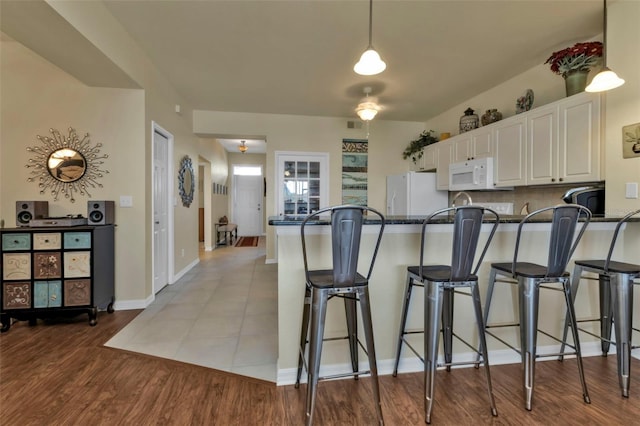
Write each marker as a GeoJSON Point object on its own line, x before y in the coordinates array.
{"type": "Point", "coordinates": [557, 143]}
{"type": "Point", "coordinates": [564, 141]}
{"type": "Point", "coordinates": [509, 145]}
{"type": "Point", "coordinates": [481, 143]}
{"type": "Point", "coordinates": [542, 149]}
{"type": "Point", "coordinates": [444, 155]}
{"type": "Point", "coordinates": [461, 146]}
{"type": "Point", "coordinates": [428, 161]}
{"type": "Point", "coordinates": [473, 144]}
{"type": "Point", "coordinates": [579, 139]}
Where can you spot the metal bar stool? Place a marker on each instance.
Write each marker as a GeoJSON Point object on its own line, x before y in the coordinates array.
{"type": "Point", "coordinates": [342, 280]}
{"type": "Point", "coordinates": [616, 303]}
{"type": "Point", "coordinates": [441, 283]}
{"type": "Point", "coordinates": [531, 277]}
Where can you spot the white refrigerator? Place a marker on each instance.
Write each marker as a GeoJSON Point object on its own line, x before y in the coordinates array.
{"type": "Point", "coordinates": [414, 194]}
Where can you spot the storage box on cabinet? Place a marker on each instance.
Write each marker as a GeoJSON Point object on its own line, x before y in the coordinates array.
{"type": "Point", "coordinates": [57, 270]}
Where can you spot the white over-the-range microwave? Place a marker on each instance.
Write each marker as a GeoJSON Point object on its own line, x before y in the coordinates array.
{"type": "Point", "coordinates": [471, 175]}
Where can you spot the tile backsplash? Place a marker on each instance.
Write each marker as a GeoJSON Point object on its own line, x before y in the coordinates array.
{"type": "Point", "coordinates": [537, 197]}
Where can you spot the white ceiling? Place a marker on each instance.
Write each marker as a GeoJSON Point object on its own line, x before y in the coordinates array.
{"type": "Point", "coordinates": [296, 56]}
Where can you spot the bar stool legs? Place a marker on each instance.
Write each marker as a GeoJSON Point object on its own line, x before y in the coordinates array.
{"type": "Point", "coordinates": [313, 322]}
{"type": "Point", "coordinates": [528, 302]}
{"type": "Point", "coordinates": [616, 306]}
{"type": "Point", "coordinates": [622, 291]}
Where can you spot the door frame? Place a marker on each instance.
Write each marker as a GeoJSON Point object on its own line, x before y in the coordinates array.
{"type": "Point", "coordinates": [235, 191]}
{"type": "Point", "coordinates": [155, 127]}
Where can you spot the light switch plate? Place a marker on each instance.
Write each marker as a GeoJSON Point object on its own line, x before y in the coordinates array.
{"type": "Point", "coordinates": [631, 190]}
{"type": "Point", "coordinates": [126, 201]}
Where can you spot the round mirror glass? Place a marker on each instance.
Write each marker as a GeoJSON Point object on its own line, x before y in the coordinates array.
{"type": "Point", "coordinates": [66, 165]}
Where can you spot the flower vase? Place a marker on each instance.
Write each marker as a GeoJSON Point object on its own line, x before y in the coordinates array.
{"type": "Point", "coordinates": [575, 81]}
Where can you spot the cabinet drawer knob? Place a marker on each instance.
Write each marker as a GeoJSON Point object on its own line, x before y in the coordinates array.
{"type": "Point", "coordinates": [560, 179]}
{"type": "Point", "coordinates": [553, 179]}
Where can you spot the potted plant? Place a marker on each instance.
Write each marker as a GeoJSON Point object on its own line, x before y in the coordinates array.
{"type": "Point", "coordinates": [574, 64]}
{"type": "Point", "coordinates": [415, 148]}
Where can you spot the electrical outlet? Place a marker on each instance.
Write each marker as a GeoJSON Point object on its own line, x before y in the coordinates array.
{"type": "Point", "coordinates": [182, 252]}
{"type": "Point", "coordinates": [631, 190]}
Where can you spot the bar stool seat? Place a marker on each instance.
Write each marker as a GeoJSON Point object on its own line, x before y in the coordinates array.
{"type": "Point", "coordinates": [616, 280]}
{"type": "Point", "coordinates": [440, 283]}
{"type": "Point", "coordinates": [526, 269]}
{"type": "Point", "coordinates": [529, 278]}
{"type": "Point", "coordinates": [341, 281]}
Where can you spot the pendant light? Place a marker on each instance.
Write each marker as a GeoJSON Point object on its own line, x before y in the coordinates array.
{"type": "Point", "coordinates": [243, 148]}
{"type": "Point", "coordinates": [368, 108]}
{"type": "Point", "coordinates": [370, 62]}
{"type": "Point", "coordinates": [605, 79]}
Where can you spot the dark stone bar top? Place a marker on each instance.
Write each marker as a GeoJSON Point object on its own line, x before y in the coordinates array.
{"type": "Point", "coordinates": [417, 220]}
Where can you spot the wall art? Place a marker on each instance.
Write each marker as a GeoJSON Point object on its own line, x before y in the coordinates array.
{"type": "Point", "coordinates": [631, 141]}
{"type": "Point", "coordinates": [66, 165]}
{"type": "Point", "coordinates": [354, 171]}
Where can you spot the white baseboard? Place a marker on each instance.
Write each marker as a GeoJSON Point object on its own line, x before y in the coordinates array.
{"type": "Point", "coordinates": [186, 269]}
{"type": "Point", "coordinates": [287, 376]}
{"type": "Point", "coordinates": [270, 261]}
{"type": "Point", "coordinates": [125, 305]}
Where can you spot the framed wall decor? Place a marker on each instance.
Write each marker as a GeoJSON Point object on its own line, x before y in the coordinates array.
{"type": "Point", "coordinates": [66, 164]}
{"type": "Point", "coordinates": [631, 141]}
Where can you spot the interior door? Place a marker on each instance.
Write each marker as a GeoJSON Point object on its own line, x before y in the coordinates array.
{"type": "Point", "coordinates": [248, 194]}
{"type": "Point", "coordinates": [160, 211]}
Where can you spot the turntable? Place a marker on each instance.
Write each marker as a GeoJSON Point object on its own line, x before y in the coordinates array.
{"type": "Point", "coordinates": [68, 220]}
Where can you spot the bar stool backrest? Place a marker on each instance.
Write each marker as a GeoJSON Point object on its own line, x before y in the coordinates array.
{"type": "Point", "coordinates": [615, 236]}
{"type": "Point", "coordinates": [562, 243]}
{"type": "Point", "coordinates": [466, 233]}
{"type": "Point", "coordinates": [346, 234]}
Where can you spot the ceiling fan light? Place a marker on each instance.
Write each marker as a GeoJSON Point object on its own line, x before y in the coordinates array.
{"type": "Point", "coordinates": [242, 147]}
{"type": "Point", "coordinates": [604, 80]}
{"type": "Point", "coordinates": [367, 110]}
{"type": "Point", "coordinates": [370, 63]}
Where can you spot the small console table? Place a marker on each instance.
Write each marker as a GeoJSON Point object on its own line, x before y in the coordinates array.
{"type": "Point", "coordinates": [228, 230]}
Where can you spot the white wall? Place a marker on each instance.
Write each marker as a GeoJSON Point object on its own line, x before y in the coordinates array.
{"type": "Point", "coordinates": [622, 104]}
{"type": "Point", "coordinates": [37, 96]}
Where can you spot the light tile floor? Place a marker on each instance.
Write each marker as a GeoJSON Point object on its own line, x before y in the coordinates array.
{"type": "Point", "coordinates": [222, 314]}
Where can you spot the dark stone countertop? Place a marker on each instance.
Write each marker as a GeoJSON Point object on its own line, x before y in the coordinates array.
{"type": "Point", "coordinates": [417, 220]}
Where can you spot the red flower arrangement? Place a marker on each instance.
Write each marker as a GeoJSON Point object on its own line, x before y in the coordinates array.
{"type": "Point", "coordinates": [582, 56]}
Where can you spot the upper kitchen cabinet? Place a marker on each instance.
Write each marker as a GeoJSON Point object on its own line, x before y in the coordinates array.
{"type": "Point", "coordinates": [428, 161]}
{"type": "Point", "coordinates": [471, 145]}
{"type": "Point", "coordinates": [542, 149]}
{"type": "Point", "coordinates": [444, 157]}
{"type": "Point", "coordinates": [509, 145]}
{"type": "Point", "coordinates": [564, 141]}
{"type": "Point", "coordinates": [579, 147]}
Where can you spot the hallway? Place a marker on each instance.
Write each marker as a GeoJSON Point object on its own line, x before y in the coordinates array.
{"type": "Point", "coordinates": [222, 314]}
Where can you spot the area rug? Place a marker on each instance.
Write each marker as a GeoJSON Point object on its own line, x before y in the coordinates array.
{"type": "Point", "coordinates": [247, 242]}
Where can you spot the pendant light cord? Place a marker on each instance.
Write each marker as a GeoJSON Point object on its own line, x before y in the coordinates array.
{"type": "Point", "coordinates": [604, 35]}
{"type": "Point", "coordinates": [371, 23]}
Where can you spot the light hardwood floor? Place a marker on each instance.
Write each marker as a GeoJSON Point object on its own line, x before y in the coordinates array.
{"type": "Point", "coordinates": [60, 373]}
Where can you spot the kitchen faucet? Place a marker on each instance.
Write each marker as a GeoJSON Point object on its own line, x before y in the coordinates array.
{"type": "Point", "coordinates": [465, 202]}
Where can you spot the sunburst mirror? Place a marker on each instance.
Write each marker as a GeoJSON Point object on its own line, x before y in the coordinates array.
{"type": "Point", "coordinates": [66, 165]}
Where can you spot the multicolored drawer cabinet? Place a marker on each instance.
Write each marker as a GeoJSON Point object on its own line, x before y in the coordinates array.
{"type": "Point", "coordinates": [47, 272]}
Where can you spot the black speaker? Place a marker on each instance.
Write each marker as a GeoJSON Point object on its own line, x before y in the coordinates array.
{"type": "Point", "coordinates": [101, 212]}
{"type": "Point", "coordinates": [27, 210]}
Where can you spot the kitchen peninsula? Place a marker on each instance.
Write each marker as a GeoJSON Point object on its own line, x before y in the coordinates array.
{"type": "Point", "coordinates": [400, 248]}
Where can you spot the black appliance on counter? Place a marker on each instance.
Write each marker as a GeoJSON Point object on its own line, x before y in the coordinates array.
{"type": "Point", "coordinates": [591, 197]}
